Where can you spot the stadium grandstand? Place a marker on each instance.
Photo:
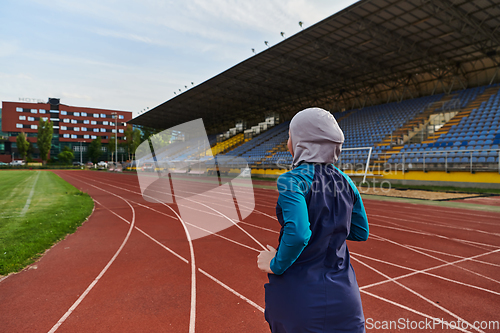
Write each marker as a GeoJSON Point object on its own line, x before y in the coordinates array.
{"type": "Point", "coordinates": [413, 84]}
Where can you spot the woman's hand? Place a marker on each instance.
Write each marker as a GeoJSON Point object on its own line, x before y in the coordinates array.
{"type": "Point", "coordinates": [264, 259]}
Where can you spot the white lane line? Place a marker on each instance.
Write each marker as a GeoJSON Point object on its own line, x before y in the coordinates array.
{"type": "Point", "coordinates": [436, 224]}
{"type": "Point", "coordinates": [410, 229]}
{"type": "Point", "coordinates": [145, 234]}
{"type": "Point", "coordinates": [16, 188]}
{"type": "Point", "coordinates": [453, 255]}
{"type": "Point", "coordinates": [437, 320]}
{"type": "Point", "coordinates": [195, 226]}
{"type": "Point", "coordinates": [187, 223]}
{"type": "Point", "coordinates": [434, 235]}
{"type": "Point", "coordinates": [430, 274]}
{"type": "Point", "coordinates": [230, 220]}
{"type": "Point", "coordinates": [89, 288]}
{"type": "Point", "coordinates": [394, 302]}
{"type": "Point", "coordinates": [450, 218]}
{"type": "Point", "coordinates": [196, 202]}
{"type": "Point", "coordinates": [261, 309]}
{"type": "Point", "coordinates": [415, 293]}
{"type": "Point", "coordinates": [192, 314]}
{"type": "Point", "coordinates": [28, 201]}
{"type": "Point", "coordinates": [446, 263]}
{"type": "Point", "coordinates": [259, 227]}
{"type": "Point", "coordinates": [437, 209]}
{"type": "Point", "coordinates": [186, 261]}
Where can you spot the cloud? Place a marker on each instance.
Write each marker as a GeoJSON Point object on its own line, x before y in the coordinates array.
{"type": "Point", "coordinates": [130, 54]}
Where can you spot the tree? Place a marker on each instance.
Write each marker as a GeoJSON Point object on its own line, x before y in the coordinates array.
{"type": "Point", "coordinates": [129, 139]}
{"type": "Point", "coordinates": [44, 139]}
{"type": "Point", "coordinates": [95, 150]}
{"type": "Point", "coordinates": [66, 155]}
{"type": "Point", "coordinates": [29, 154]}
{"type": "Point", "coordinates": [22, 145]}
{"type": "Point", "coordinates": [136, 141]}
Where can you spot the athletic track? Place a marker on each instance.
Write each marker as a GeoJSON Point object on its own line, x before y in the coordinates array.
{"type": "Point", "coordinates": [130, 268]}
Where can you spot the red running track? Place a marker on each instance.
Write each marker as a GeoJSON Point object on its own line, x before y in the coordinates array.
{"type": "Point", "coordinates": [129, 268]}
{"type": "Point", "coordinates": [490, 200]}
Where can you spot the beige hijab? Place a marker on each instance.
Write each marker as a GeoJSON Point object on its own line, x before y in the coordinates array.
{"type": "Point", "coordinates": [316, 137]}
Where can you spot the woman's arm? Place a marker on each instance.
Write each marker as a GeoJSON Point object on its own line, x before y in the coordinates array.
{"type": "Point", "coordinates": [296, 231]}
{"type": "Point", "coordinates": [359, 221]}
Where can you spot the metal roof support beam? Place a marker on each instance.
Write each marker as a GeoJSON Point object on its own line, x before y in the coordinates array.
{"type": "Point", "coordinates": [354, 60]}
{"type": "Point", "coordinates": [450, 9]}
{"type": "Point", "coordinates": [399, 44]}
{"type": "Point", "coordinates": [303, 86]}
{"type": "Point", "coordinates": [327, 75]}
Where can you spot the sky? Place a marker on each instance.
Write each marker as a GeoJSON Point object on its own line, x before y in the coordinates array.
{"type": "Point", "coordinates": [132, 55]}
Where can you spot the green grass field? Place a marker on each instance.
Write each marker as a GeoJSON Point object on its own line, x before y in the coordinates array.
{"type": "Point", "coordinates": [37, 209]}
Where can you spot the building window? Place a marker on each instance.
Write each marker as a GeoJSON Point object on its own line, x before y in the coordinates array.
{"type": "Point", "coordinates": [86, 121]}
{"type": "Point", "coordinates": [103, 115]}
{"type": "Point", "coordinates": [84, 114]}
{"type": "Point", "coordinates": [96, 115]}
{"type": "Point", "coordinates": [93, 137]}
{"type": "Point", "coordinates": [105, 123]}
{"type": "Point", "coordinates": [45, 118]}
{"type": "Point", "coordinates": [86, 136]}
{"type": "Point", "coordinates": [66, 136]}
{"type": "Point", "coordinates": [93, 122]}
{"type": "Point", "coordinates": [73, 136]}
{"type": "Point", "coordinates": [103, 148]}
{"type": "Point", "coordinates": [76, 129]}
{"type": "Point", "coordinates": [42, 111]}
{"type": "Point", "coordinates": [120, 131]}
{"type": "Point", "coordinates": [34, 111]}
{"type": "Point", "coordinates": [120, 117]}
{"type": "Point", "coordinates": [76, 114]}
{"type": "Point", "coordinates": [34, 126]}
{"type": "Point", "coordinates": [64, 113]}
{"type": "Point", "coordinates": [31, 119]}
{"type": "Point", "coordinates": [103, 130]}
{"type": "Point", "coordinates": [113, 131]}
{"type": "Point", "coordinates": [22, 117]}
{"type": "Point", "coordinates": [19, 109]}
{"type": "Point", "coordinates": [64, 128]}
{"type": "Point", "coordinates": [65, 120]}
{"type": "Point", "coordinates": [74, 121]}
{"type": "Point", "coordinates": [19, 125]}
{"type": "Point", "coordinates": [84, 129]}
{"type": "Point", "coordinates": [96, 130]}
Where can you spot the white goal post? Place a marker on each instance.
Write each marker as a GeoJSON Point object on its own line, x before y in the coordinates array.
{"type": "Point", "coordinates": [356, 161]}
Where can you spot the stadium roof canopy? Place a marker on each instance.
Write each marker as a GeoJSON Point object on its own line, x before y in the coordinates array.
{"type": "Point", "coordinates": [373, 52]}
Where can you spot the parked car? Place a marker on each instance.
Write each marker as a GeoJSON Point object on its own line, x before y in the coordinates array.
{"type": "Point", "coordinates": [102, 165]}
{"type": "Point", "coordinates": [3, 164]}
{"type": "Point", "coordinates": [17, 163]}
{"type": "Point", "coordinates": [130, 165]}
{"type": "Point", "coordinates": [149, 167]}
{"type": "Point", "coordinates": [78, 164]}
{"type": "Point", "coordinates": [89, 164]}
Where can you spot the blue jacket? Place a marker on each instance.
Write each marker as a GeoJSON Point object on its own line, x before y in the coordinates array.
{"type": "Point", "coordinates": [314, 287]}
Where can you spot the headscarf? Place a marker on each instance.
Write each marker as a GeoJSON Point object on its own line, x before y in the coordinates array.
{"type": "Point", "coordinates": [316, 137]}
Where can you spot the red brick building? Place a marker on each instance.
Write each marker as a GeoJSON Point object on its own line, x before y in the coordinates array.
{"type": "Point", "coordinates": [73, 126]}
